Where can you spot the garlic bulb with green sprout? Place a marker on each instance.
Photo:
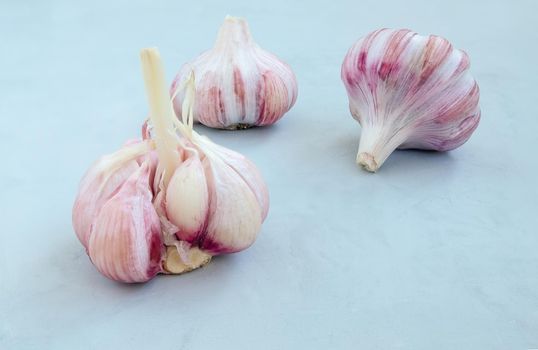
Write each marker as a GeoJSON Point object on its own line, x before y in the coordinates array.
{"type": "Point", "coordinates": [238, 84]}
{"type": "Point", "coordinates": [169, 202]}
{"type": "Point", "coordinates": [409, 91]}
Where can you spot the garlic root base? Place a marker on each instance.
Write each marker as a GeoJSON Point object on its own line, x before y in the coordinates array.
{"type": "Point", "coordinates": [239, 126]}
{"type": "Point", "coordinates": [173, 264]}
{"type": "Point", "coordinates": [367, 161]}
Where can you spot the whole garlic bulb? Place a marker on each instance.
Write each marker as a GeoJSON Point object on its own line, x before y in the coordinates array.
{"type": "Point", "coordinates": [169, 202]}
{"type": "Point", "coordinates": [409, 91]}
{"type": "Point", "coordinates": [238, 84]}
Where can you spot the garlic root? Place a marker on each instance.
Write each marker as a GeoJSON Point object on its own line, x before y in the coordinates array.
{"type": "Point", "coordinates": [174, 264]}
{"type": "Point", "coordinates": [367, 161]}
{"type": "Point", "coordinates": [239, 126]}
{"type": "Point", "coordinates": [376, 144]}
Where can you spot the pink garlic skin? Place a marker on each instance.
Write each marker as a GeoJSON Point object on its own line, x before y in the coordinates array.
{"type": "Point", "coordinates": [235, 216]}
{"type": "Point", "coordinates": [126, 243]}
{"type": "Point", "coordinates": [238, 84]}
{"type": "Point", "coordinates": [409, 91]}
{"type": "Point", "coordinates": [248, 172]}
{"type": "Point", "coordinates": [216, 201]}
{"type": "Point", "coordinates": [104, 179]}
{"type": "Point", "coordinates": [169, 202]}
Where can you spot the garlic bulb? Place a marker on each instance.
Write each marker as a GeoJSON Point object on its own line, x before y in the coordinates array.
{"type": "Point", "coordinates": [238, 84]}
{"type": "Point", "coordinates": [169, 202]}
{"type": "Point", "coordinates": [409, 91]}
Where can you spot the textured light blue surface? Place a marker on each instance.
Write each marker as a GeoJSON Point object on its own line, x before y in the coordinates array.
{"type": "Point", "coordinates": [436, 251]}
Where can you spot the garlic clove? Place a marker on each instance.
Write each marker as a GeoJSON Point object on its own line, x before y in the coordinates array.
{"type": "Point", "coordinates": [238, 84]}
{"type": "Point", "coordinates": [409, 91]}
{"type": "Point", "coordinates": [235, 216]}
{"type": "Point", "coordinates": [102, 181]}
{"type": "Point", "coordinates": [126, 244]}
{"type": "Point", "coordinates": [169, 203]}
{"type": "Point", "coordinates": [187, 199]}
{"type": "Point", "coordinates": [246, 170]}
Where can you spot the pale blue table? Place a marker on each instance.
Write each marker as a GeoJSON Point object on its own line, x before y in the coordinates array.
{"type": "Point", "coordinates": [436, 251]}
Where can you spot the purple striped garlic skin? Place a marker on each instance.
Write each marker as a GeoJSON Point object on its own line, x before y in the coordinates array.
{"type": "Point", "coordinates": [238, 84]}
{"type": "Point", "coordinates": [409, 91]}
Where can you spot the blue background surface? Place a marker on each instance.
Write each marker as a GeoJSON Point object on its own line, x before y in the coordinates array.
{"type": "Point", "coordinates": [436, 251]}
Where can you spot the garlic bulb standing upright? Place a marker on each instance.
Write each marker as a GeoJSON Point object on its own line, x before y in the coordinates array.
{"type": "Point", "coordinates": [409, 91]}
{"type": "Point", "coordinates": [167, 203]}
{"type": "Point", "coordinates": [238, 84]}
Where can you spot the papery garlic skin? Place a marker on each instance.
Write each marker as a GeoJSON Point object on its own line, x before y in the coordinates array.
{"type": "Point", "coordinates": [234, 210]}
{"type": "Point", "coordinates": [104, 178]}
{"type": "Point", "coordinates": [209, 204]}
{"type": "Point", "coordinates": [170, 202]}
{"type": "Point", "coordinates": [409, 91]}
{"type": "Point", "coordinates": [246, 170]}
{"type": "Point", "coordinates": [126, 243]}
{"type": "Point", "coordinates": [235, 214]}
{"type": "Point", "coordinates": [238, 84]}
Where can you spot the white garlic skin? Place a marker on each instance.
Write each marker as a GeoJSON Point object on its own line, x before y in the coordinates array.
{"type": "Point", "coordinates": [409, 91]}
{"type": "Point", "coordinates": [238, 84]}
